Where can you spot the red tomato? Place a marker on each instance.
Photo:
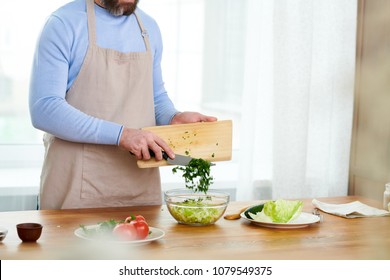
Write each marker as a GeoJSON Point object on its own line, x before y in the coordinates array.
{"type": "Point", "coordinates": [135, 218]}
{"type": "Point", "coordinates": [125, 231]}
{"type": "Point", "coordinates": [142, 228]}
{"type": "Point", "coordinates": [140, 225]}
{"type": "Point", "coordinates": [139, 218]}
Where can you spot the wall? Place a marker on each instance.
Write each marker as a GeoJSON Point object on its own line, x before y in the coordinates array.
{"type": "Point", "coordinates": [370, 154]}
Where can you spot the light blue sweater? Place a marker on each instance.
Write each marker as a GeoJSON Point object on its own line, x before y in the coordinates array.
{"type": "Point", "coordinates": [58, 58]}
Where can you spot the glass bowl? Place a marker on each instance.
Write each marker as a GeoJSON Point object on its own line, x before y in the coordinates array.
{"type": "Point", "coordinates": [196, 209]}
{"type": "Point", "coordinates": [3, 233]}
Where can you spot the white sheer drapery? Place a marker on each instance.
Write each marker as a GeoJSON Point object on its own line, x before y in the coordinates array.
{"type": "Point", "coordinates": [298, 98]}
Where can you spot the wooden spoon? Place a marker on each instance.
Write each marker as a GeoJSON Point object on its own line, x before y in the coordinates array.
{"type": "Point", "coordinates": [235, 216]}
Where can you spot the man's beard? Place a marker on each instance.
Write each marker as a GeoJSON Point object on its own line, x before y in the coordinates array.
{"type": "Point", "coordinates": [117, 9]}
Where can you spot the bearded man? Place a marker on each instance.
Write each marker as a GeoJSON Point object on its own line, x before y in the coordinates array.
{"type": "Point", "coordinates": [96, 80]}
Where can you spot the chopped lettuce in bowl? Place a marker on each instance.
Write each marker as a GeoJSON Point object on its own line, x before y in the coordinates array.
{"type": "Point", "coordinates": [278, 211]}
{"type": "Point", "coordinates": [197, 209]}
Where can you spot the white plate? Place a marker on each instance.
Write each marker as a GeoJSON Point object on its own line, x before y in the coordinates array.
{"type": "Point", "coordinates": [154, 235]}
{"type": "Point", "coordinates": [304, 220]}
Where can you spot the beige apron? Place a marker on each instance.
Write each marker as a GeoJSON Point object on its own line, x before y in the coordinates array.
{"type": "Point", "coordinates": [117, 87]}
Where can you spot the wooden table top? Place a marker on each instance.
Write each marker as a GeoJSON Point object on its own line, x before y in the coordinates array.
{"type": "Point", "coordinates": [334, 238]}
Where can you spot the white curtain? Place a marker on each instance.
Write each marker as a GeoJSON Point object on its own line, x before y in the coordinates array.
{"type": "Point", "coordinates": [298, 99]}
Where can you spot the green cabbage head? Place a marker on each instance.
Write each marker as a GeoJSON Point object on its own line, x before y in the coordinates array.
{"type": "Point", "coordinates": [279, 211]}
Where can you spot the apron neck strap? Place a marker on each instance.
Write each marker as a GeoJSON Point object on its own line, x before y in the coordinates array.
{"type": "Point", "coordinates": [91, 22]}
{"type": "Point", "coordinates": [144, 32]}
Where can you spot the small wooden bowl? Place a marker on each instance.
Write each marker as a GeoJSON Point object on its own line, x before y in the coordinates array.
{"type": "Point", "coordinates": [29, 232]}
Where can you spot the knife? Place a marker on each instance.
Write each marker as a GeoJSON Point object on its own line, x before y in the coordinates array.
{"type": "Point", "coordinates": [178, 160]}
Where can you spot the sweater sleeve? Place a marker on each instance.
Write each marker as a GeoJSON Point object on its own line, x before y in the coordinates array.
{"type": "Point", "coordinates": [49, 109]}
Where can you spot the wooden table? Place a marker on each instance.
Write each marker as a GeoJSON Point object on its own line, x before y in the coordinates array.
{"type": "Point", "coordinates": [334, 238]}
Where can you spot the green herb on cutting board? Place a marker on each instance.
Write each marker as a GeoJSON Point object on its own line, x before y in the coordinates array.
{"type": "Point", "coordinates": [196, 175]}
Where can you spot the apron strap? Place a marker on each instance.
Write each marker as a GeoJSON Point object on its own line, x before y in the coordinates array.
{"type": "Point", "coordinates": [144, 32]}
{"type": "Point", "coordinates": [91, 22]}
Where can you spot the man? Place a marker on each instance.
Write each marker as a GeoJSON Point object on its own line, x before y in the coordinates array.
{"type": "Point", "coordinates": [96, 80]}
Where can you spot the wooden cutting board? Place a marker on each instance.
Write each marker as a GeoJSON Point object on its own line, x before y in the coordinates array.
{"type": "Point", "coordinates": [210, 141]}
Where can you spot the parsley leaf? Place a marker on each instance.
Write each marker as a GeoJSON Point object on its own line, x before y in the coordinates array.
{"type": "Point", "coordinates": [196, 175]}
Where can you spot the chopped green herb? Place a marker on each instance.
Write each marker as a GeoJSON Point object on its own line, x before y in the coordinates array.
{"type": "Point", "coordinates": [196, 175]}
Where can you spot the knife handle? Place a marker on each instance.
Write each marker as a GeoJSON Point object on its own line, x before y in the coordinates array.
{"type": "Point", "coordinates": [164, 154]}
{"type": "Point", "coordinates": [152, 154]}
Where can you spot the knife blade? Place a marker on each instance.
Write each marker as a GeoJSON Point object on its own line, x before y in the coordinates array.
{"type": "Point", "coordinates": [178, 160]}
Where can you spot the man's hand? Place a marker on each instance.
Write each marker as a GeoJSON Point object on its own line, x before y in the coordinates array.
{"type": "Point", "coordinates": [191, 117]}
{"type": "Point", "coordinates": [138, 142]}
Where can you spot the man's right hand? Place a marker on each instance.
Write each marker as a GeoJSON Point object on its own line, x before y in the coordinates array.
{"type": "Point", "coordinates": [138, 142]}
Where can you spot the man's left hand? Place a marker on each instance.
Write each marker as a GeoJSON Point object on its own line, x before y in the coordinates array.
{"type": "Point", "coordinates": [191, 117]}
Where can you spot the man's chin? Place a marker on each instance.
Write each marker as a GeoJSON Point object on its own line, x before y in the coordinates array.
{"type": "Point", "coordinates": [125, 8]}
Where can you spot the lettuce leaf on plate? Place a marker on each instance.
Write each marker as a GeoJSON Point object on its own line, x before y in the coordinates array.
{"type": "Point", "coordinates": [279, 211]}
